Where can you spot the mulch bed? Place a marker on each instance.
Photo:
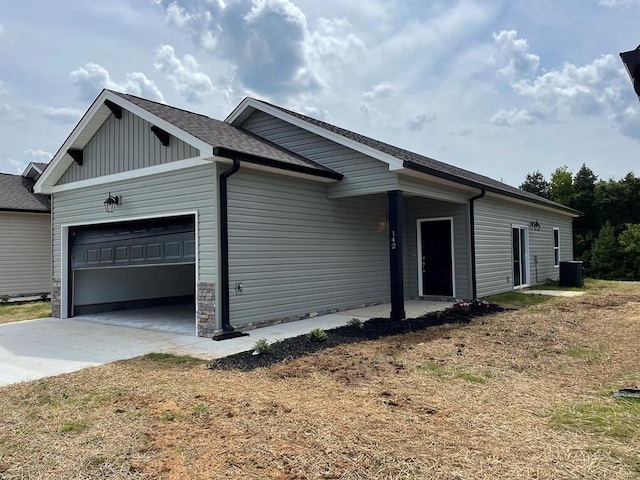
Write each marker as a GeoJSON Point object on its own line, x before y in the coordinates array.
{"type": "Point", "coordinates": [372, 329]}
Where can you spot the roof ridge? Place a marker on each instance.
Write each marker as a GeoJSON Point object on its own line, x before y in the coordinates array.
{"type": "Point", "coordinates": [164, 105]}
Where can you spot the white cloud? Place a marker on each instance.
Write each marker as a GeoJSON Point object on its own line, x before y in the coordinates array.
{"type": "Point", "coordinates": [461, 132]}
{"type": "Point", "coordinates": [600, 87]}
{"type": "Point", "coordinates": [268, 43]}
{"type": "Point", "coordinates": [38, 155]}
{"type": "Point", "coordinates": [62, 114]}
{"type": "Point", "coordinates": [11, 165]}
{"type": "Point", "coordinates": [92, 78]}
{"type": "Point", "coordinates": [184, 75]}
{"type": "Point", "coordinates": [514, 53]}
{"type": "Point", "coordinates": [380, 91]}
{"type": "Point", "coordinates": [418, 121]}
{"type": "Point", "coordinates": [512, 118]}
{"type": "Point", "coordinates": [618, 3]}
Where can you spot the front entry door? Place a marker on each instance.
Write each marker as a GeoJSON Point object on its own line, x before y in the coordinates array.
{"type": "Point", "coordinates": [520, 257]}
{"type": "Point", "coordinates": [436, 257]}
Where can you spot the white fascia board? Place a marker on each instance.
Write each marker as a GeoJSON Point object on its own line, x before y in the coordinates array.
{"type": "Point", "coordinates": [237, 114]}
{"type": "Point", "coordinates": [61, 161]}
{"type": "Point", "coordinates": [130, 174]}
{"type": "Point", "coordinates": [58, 166]}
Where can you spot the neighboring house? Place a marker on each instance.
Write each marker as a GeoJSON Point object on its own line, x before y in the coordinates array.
{"type": "Point", "coordinates": [25, 235]}
{"type": "Point", "coordinates": [271, 216]}
{"type": "Point", "coordinates": [631, 60]}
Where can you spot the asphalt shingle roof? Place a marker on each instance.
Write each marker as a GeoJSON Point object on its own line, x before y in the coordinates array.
{"type": "Point", "coordinates": [221, 134]}
{"type": "Point", "coordinates": [415, 161]}
{"type": "Point", "coordinates": [16, 194]}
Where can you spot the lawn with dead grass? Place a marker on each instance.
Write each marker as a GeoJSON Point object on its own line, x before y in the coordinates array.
{"type": "Point", "coordinates": [523, 394]}
{"type": "Point", "coordinates": [16, 312]}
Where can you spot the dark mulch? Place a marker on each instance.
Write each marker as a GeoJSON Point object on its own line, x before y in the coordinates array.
{"type": "Point", "coordinates": [372, 329]}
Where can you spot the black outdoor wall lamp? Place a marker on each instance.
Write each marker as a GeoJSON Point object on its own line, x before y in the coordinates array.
{"type": "Point", "coordinates": [111, 202]}
{"type": "Point", "coordinates": [535, 225]}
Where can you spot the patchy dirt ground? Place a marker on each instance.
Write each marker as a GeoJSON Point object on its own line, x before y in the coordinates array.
{"type": "Point", "coordinates": [513, 395]}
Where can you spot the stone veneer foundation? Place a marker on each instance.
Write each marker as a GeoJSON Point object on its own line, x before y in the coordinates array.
{"type": "Point", "coordinates": [55, 297]}
{"type": "Point", "coordinates": [206, 309]}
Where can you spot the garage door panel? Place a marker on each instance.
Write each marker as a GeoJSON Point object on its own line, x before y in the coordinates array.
{"type": "Point", "coordinates": [149, 242]}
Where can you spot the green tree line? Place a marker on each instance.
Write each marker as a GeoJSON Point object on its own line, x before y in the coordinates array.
{"type": "Point", "coordinates": [607, 235]}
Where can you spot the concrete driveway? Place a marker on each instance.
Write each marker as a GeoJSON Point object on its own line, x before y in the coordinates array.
{"type": "Point", "coordinates": [50, 346]}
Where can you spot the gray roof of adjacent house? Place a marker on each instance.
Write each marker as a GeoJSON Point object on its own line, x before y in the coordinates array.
{"type": "Point", "coordinates": [428, 165]}
{"type": "Point", "coordinates": [229, 139]}
{"type": "Point", "coordinates": [16, 194]}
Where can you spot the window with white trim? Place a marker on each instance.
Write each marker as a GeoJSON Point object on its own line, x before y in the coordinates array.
{"type": "Point", "coordinates": [556, 246]}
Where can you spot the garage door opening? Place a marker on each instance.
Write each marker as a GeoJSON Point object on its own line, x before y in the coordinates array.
{"type": "Point", "coordinates": [132, 265]}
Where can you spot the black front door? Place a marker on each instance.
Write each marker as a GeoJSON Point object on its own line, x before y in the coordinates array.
{"type": "Point", "coordinates": [436, 262]}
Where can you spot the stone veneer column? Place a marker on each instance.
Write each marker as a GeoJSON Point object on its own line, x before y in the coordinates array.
{"type": "Point", "coordinates": [55, 297]}
{"type": "Point", "coordinates": [206, 309]}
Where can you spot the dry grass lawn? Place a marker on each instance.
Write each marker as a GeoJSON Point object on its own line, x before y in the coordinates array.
{"type": "Point", "coordinates": [517, 395]}
{"type": "Point", "coordinates": [16, 312]}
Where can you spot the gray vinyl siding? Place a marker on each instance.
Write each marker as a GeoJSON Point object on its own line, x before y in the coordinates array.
{"type": "Point", "coordinates": [424, 208]}
{"type": "Point", "coordinates": [25, 253]}
{"type": "Point", "coordinates": [298, 252]}
{"type": "Point", "coordinates": [362, 174]}
{"type": "Point", "coordinates": [123, 145]}
{"type": "Point", "coordinates": [494, 218]}
{"type": "Point", "coordinates": [438, 191]}
{"type": "Point", "coordinates": [187, 190]}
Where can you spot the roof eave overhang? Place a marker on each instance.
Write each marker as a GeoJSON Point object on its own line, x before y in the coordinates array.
{"type": "Point", "coordinates": [277, 164]}
{"type": "Point", "coordinates": [631, 60]}
{"type": "Point", "coordinates": [470, 183]}
{"type": "Point", "coordinates": [23, 210]}
{"type": "Point", "coordinates": [249, 105]}
{"type": "Point", "coordinates": [86, 128]}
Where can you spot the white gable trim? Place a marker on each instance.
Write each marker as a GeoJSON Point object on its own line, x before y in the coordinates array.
{"type": "Point", "coordinates": [242, 111]}
{"type": "Point", "coordinates": [91, 122]}
{"type": "Point", "coordinates": [129, 175]}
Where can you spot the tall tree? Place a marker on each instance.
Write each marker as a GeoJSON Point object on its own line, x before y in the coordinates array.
{"type": "Point", "coordinates": [536, 183]}
{"type": "Point", "coordinates": [606, 258]}
{"type": "Point", "coordinates": [561, 186]}
{"type": "Point", "coordinates": [629, 241]}
{"type": "Point", "coordinates": [585, 226]}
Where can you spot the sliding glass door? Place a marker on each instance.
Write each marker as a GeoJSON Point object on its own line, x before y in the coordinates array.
{"type": "Point", "coordinates": [520, 257]}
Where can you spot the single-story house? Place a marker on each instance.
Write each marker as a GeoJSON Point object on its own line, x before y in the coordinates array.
{"type": "Point", "coordinates": [271, 215]}
{"type": "Point", "coordinates": [25, 235]}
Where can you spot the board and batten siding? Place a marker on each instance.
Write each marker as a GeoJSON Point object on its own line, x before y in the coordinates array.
{"type": "Point", "coordinates": [494, 218]}
{"type": "Point", "coordinates": [424, 208]}
{"type": "Point", "coordinates": [191, 189]}
{"type": "Point", "coordinates": [298, 252]}
{"type": "Point", "coordinates": [123, 145]}
{"type": "Point", "coordinates": [25, 253]}
{"type": "Point", "coordinates": [362, 174]}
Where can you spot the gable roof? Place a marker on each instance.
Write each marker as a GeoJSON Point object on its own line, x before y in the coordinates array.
{"type": "Point", "coordinates": [16, 194]}
{"type": "Point", "coordinates": [212, 137]}
{"type": "Point", "coordinates": [34, 170]}
{"type": "Point", "coordinates": [408, 159]}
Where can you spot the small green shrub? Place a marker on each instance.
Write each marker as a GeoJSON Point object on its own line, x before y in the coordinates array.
{"type": "Point", "coordinates": [261, 347]}
{"type": "Point", "coordinates": [355, 323]}
{"type": "Point", "coordinates": [5, 298]}
{"type": "Point", "coordinates": [461, 308]}
{"type": "Point", "coordinates": [70, 427]}
{"type": "Point", "coordinates": [318, 335]}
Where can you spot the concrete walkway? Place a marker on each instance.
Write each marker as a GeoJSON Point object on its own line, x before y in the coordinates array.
{"type": "Point", "coordinates": [50, 346]}
{"type": "Point", "coordinates": [554, 293]}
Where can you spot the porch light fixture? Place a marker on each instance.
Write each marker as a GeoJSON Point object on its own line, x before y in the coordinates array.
{"type": "Point", "coordinates": [535, 225]}
{"type": "Point", "coordinates": [111, 202]}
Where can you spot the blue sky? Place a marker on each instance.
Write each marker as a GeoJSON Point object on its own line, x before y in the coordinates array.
{"type": "Point", "coordinates": [501, 88]}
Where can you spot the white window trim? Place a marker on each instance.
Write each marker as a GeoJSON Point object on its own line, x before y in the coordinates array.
{"type": "Point", "coordinates": [556, 265]}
